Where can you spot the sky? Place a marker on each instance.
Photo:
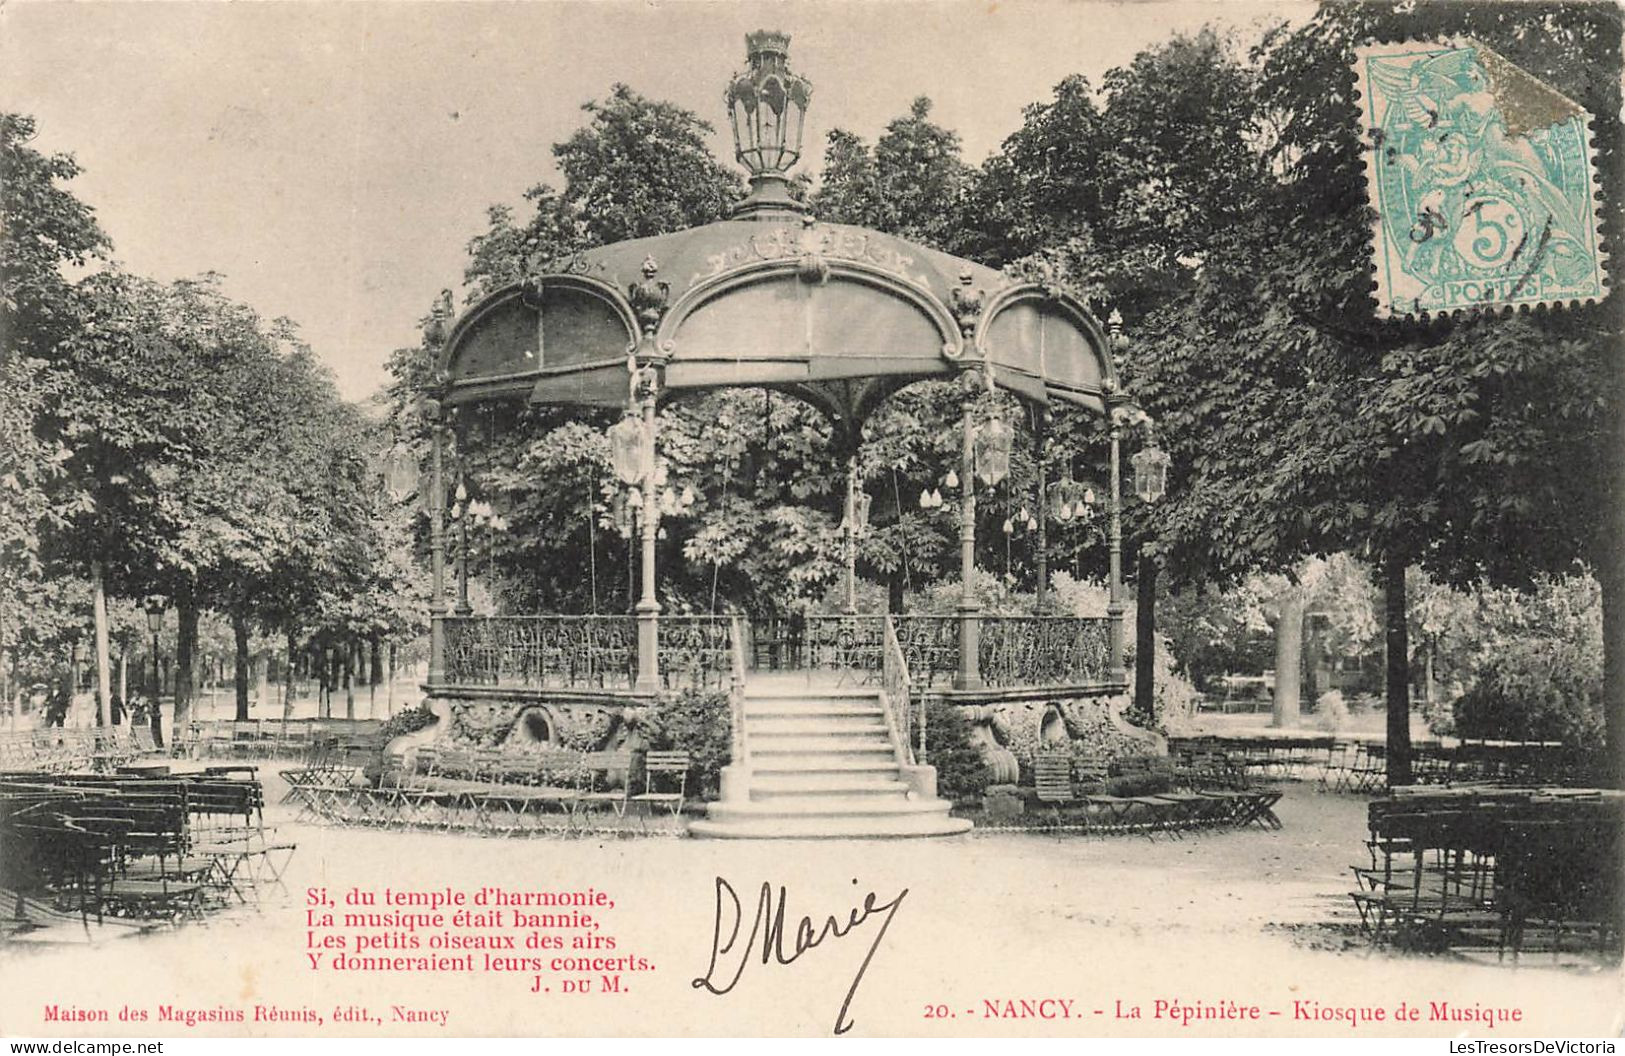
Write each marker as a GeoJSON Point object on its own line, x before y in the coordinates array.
{"type": "Point", "coordinates": [332, 160]}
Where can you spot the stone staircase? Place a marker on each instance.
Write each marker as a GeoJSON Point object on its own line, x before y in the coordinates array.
{"type": "Point", "coordinates": [820, 763]}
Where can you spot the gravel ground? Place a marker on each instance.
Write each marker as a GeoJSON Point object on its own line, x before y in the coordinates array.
{"type": "Point", "coordinates": [989, 921]}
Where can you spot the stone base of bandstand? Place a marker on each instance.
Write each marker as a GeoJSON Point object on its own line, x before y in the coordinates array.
{"type": "Point", "coordinates": [911, 810]}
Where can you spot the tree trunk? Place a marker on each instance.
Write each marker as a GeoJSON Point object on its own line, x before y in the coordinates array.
{"type": "Point", "coordinates": [239, 631]}
{"type": "Point", "coordinates": [124, 676]}
{"type": "Point", "coordinates": [262, 682]}
{"type": "Point", "coordinates": [1398, 679]}
{"type": "Point", "coordinates": [287, 689]}
{"type": "Point", "coordinates": [373, 657]}
{"type": "Point", "coordinates": [894, 591]}
{"type": "Point", "coordinates": [389, 696]}
{"type": "Point", "coordinates": [104, 677]}
{"type": "Point", "coordinates": [1288, 657]}
{"type": "Point", "coordinates": [1611, 575]}
{"type": "Point", "coordinates": [1145, 636]}
{"type": "Point", "coordinates": [349, 677]}
{"type": "Point", "coordinates": [186, 616]}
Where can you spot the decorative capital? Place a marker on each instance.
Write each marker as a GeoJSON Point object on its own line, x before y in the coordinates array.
{"type": "Point", "coordinates": [965, 301]}
{"type": "Point", "coordinates": [649, 298]}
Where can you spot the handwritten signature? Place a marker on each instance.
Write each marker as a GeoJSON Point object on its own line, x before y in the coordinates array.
{"type": "Point", "coordinates": [770, 913]}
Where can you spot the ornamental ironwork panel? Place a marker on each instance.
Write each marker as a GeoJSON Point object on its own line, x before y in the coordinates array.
{"type": "Point", "coordinates": [775, 643]}
{"type": "Point", "coordinates": [589, 652]}
{"type": "Point", "coordinates": [852, 646]}
{"type": "Point", "coordinates": [1043, 650]}
{"type": "Point", "coordinates": [696, 652]}
{"type": "Point", "coordinates": [930, 644]}
{"type": "Point", "coordinates": [899, 692]}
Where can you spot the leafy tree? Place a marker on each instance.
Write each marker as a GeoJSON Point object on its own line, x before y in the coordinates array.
{"type": "Point", "coordinates": [1300, 425]}
{"type": "Point", "coordinates": [44, 230]}
{"type": "Point", "coordinates": [910, 186]}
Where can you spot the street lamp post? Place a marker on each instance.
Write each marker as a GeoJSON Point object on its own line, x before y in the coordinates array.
{"type": "Point", "coordinates": [984, 454]}
{"type": "Point", "coordinates": [854, 524]}
{"type": "Point", "coordinates": [155, 623]}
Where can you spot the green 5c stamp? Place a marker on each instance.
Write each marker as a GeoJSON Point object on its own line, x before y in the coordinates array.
{"type": "Point", "coordinates": [1482, 179]}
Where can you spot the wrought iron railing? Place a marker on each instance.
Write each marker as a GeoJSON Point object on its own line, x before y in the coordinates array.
{"type": "Point", "coordinates": [600, 652]}
{"type": "Point", "coordinates": [736, 690]}
{"type": "Point", "coordinates": [899, 694]}
{"type": "Point", "coordinates": [1043, 651]}
{"type": "Point", "coordinates": [930, 644]}
{"type": "Point", "coordinates": [696, 652]}
{"type": "Point", "coordinates": [540, 651]}
{"type": "Point", "coordinates": [851, 646]}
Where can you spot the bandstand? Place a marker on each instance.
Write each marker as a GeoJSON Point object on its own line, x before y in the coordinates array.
{"type": "Point", "coordinates": [841, 317]}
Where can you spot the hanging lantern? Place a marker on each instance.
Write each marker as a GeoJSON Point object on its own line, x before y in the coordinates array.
{"type": "Point", "coordinates": [1151, 473]}
{"type": "Point", "coordinates": [861, 501]}
{"type": "Point", "coordinates": [688, 496]}
{"type": "Point", "coordinates": [992, 450]}
{"type": "Point", "coordinates": [1009, 526]}
{"type": "Point", "coordinates": [626, 450]}
{"type": "Point", "coordinates": [1024, 515]}
{"type": "Point", "coordinates": [1032, 524]}
{"type": "Point", "coordinates": [951, 480]}
{"type": "Point", "coordinates": [634, 499]}
{"type": "Point", "coordinates": [400, 473]}
{"type": "Point", "coordinates": [936, 499]}
{"type": "Point", "coordinates": [767, 106]}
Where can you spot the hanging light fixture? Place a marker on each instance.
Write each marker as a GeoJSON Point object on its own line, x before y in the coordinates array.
{"type": "Point", "coordinates": [951, 480]}
{"type": "Point", "coordinates": [1151, 473]}
{"type": "Point", "coordinates": [626, 450]}
{"type": "Point", "coordinates": [992, 451]}
{"type": "Point", "coordinates": [861, 503]}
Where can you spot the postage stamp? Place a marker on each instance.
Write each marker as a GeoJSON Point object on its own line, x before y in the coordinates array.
{"type": "Point", "coordinates": [1483, 181]}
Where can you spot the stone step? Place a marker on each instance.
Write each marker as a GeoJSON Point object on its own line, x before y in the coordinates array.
{"type": "Point", "coordinates": [812, 714]}
{"type": "Point", "coordinates": [736, 823]}
{"type": "Point", "coordinates": [799, 767]}
{"type": "Point", "coordinates": [775, 747]}
{"type": "Point", "coordinates": [816, 806]}
{"type": "Point", "coordinates": [816, 725]}
{"type": "Point", "coordinates": [883, 777]}
{"type": "Point", "coordinates": [804, 691]}
{"type": "Point", "coordinates": [764, 792]}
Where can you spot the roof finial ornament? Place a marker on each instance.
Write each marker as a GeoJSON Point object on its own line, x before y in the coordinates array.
{"type": "Point", "coordinates": [438, 328]}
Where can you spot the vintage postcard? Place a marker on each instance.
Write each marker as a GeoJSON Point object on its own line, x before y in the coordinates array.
{"type": "Point", "coordinates": [842, 519]}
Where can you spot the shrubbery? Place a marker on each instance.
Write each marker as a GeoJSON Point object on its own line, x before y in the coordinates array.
{"type": "Point", "coordinates": [1542, 689]}
{"type": "Point", "coordinates": [696, 722]}
{"type": "Point", "coordinates": [961, 773]}
{"type": "Point", "coordinates": [408, 720]}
